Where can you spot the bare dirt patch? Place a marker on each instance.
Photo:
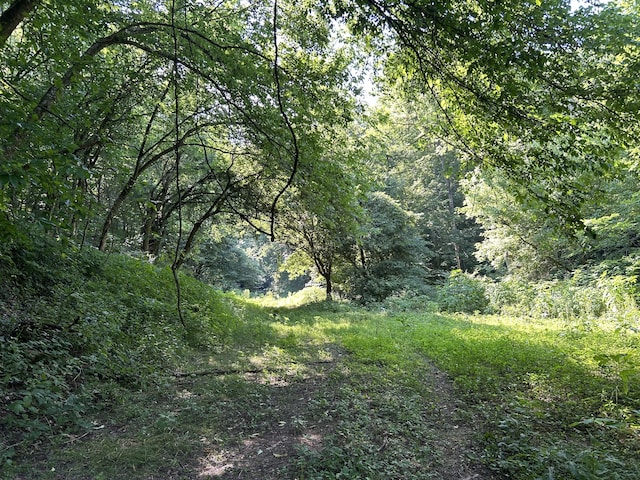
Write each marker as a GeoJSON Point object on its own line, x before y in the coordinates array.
{"type": "Point", "coordinates": [456, 436]}
{"type": "Point", "coordinates": [268, 451]}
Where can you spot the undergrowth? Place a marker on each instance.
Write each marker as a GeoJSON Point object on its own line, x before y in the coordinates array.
{"type": "Point", "coordinates": [78, 324]}
{"type": "Point", "coordinates": [100, 380]}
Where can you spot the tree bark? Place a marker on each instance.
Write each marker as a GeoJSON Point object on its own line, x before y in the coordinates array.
{"type": "Point", "coordinates": [13, 16]}
{"type": "Point", "coordinates": [118, 37]}
{"type": "Point", "coordinates": [329, 288]}
{"type": "Point", "coordinates": [452, 211]}
{"type": "Point", "coordinates": [213, 210]}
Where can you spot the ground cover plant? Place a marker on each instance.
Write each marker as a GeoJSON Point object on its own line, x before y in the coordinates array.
{"type": "Point", "coordinates": [317, 391]}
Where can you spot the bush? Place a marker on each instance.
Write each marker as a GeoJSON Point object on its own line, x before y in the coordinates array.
{"type": "Point", "coordinates": [74, 322]}
{"type": "Point", "coordinates": [412, 302]}
{"type": "Point", "coordinates": [581, 297]}
{"type": "Point", "coordinates": [463, 293]}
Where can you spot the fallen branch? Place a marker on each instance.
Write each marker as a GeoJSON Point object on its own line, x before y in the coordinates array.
{"type": "Point", "coordinates": [202, 373]}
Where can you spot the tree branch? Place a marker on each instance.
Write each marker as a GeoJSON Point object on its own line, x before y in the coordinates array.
{"type": "Point", "coordinates": [13, 16]}
{"type": "Point", "coordinates": [294, 138]}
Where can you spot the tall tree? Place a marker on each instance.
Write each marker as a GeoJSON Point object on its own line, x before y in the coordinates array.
{"type": "Point", "coordinates": [532, 87]}
{"type": "Point", "coordinates": [390, 256]}
{"type": "Point", "coordinates": [321, 215]}
{"type": "Point", "coordinates": [223, 99]}
{"type": "Point", "coordinates": [417, 168]}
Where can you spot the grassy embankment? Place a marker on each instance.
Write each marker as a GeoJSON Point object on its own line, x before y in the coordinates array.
{"type": "Point", "coordinates": [100, 381]}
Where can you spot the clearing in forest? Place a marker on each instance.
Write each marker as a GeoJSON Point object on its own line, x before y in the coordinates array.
{"type": "Point", "coordinates": [333, 392]}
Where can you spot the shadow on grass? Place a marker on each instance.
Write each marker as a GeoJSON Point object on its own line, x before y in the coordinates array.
{"type": "Point", "coordinates": [333, 391]}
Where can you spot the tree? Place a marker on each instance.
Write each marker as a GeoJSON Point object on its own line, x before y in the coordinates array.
{"type": "Point", "coordinates": [390, 255]}
{"type": "Point", "coordinates": [321, 213]}
{"type": "Point", "coordinates": [157, 115]}
{"type": "Point", "coordinates": [520, 237]}
{"type": "Point", "coordinates": [530, 87]}
{"type": "Point", "coordinates": [417, 167]}
{"type": "Point", "coordinates": [225, 264]}
{"type": "Point", "coordinates": [13, 16]}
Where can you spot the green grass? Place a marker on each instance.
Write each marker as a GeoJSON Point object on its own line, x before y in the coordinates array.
{"type": "Point", "coordinates": [556, 402]}
{"type": "Point", "coordinates": [320, 391]}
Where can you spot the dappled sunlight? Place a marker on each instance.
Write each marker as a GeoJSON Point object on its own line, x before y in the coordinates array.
{"type": "Point", "coordinates": [258, 454]}
{"type": "Point", "coordinates": [305, 296]}
{"type": "Point", "coordinates": [185, 395]}
{"type": "Point", "coordinates": [262, 441]}
{"type": "Point", "coordinates": [542, 389]}
{"type": "Point", "coordinates": [214, 465]}
{"type": "Point", "coordinates": [311, 441]}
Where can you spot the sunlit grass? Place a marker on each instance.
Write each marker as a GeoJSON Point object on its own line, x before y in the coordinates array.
{"type": "Point", "coordinates": [541, 398]}
{"type": "Point", "coordinates": [544, 389]}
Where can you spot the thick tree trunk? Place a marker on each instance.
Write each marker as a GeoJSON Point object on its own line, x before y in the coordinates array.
{"type": "Point", "coordinates": [13, 16]}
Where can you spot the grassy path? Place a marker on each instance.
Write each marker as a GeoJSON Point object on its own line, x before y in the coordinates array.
{"type": "Point", "coordinates": [345, 394]}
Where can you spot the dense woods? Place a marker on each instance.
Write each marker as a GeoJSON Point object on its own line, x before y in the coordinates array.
{"type": "Point", "coordinates": [151, 127]}
{"type": "Point", "coordinates": [148, 127]}
{"type": "Point", "coordinates": [451, 156]}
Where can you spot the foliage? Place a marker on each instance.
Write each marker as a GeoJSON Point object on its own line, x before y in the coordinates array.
{"type": "Point", "coordinates": [588, 297]}
{"type": "Point", "coordinates": [425, 301]}
{"type": "Point", "coordinates": [389, 255]}
{"type": "Point", "coordinates": [533, 98]}
{"type": "Point", "coordinates": [463, 293]}
{"type": "Point", "coordinates": [226, 265]}
{"type": "Point", "coordinates": [75, 321]}
{"type": "Point", "coordinates": [140, 124]}
{"type": "Point", "coordinates": [522, 238]}
{"type": "Point", "coordinates": [421, 171]}
{"type": "Point", "coordinates": [305, 296]}
{"type": "Point", "coordinates": [321, 212]}
{"type": "Point", "coordinates": [362, 385]}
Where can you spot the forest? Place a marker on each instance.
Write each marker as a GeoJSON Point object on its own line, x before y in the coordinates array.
{"type": "Point", "coordinates": [351, 239]}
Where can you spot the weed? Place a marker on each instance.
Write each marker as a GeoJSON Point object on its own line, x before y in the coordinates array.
{"type": "Point", "coordinates": [320, 391]}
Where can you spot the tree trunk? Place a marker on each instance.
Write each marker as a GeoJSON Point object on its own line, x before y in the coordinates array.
{"type": "Point", "coordinates": [13, 16]}
{"type": "Point", "coordinates": [329, 288]}
{"type": "Point", "coordinates": [325, 269]}
{"type": "Point", "coordinates": [141, 167]}
{"type": "Point", "coordinates": [454, 226]}
{"type": "Point", "coordinates": [115, 208]}
{"type": "Point", "coordinates": [211, 211]}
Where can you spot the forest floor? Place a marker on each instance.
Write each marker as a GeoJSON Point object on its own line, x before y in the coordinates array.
{"type": "Point", "coordinates": [295, 412]}
{"type": "Point", "coordinates": [297, 428]}
{"type": "Point", "coordinates": [348, 394]}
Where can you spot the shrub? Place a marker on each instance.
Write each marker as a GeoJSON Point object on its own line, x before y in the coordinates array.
{"type": "Point", "coordinates": [463, 293]}
{"type": "Point", "coordinates": [73, 322]}
{"type": "Point", "coordinates": [583, 297]}
{"type": "Point", "coordinates": [412, 302]}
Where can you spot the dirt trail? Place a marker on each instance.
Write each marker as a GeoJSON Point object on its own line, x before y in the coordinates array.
{"type": "Point", "coordinates": [455, 435]}
{"type": "Point", "coordinates": [269, 452]}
